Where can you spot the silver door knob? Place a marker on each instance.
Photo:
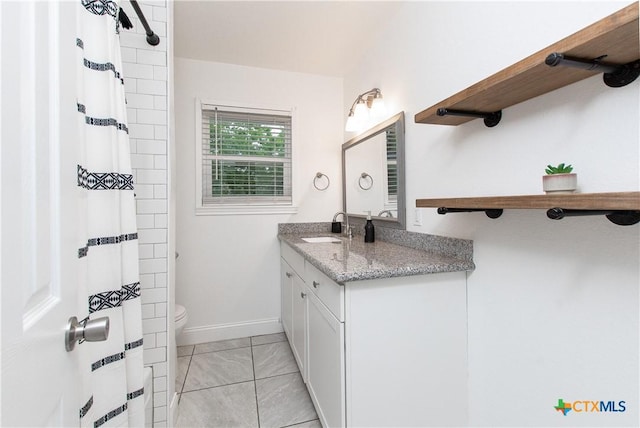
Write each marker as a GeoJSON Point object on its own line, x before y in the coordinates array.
{"type": "Point", "coordinates": [315, 284]}
{"type": "Point", "coordinates": [95, 330]}
{"type": "Point", "coordinates": [303, 295]}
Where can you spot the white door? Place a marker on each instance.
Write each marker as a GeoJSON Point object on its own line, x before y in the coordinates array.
{"type": "Point", "coordinates": [40, 380]}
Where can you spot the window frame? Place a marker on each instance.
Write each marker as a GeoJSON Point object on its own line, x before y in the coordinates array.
{"type": "Point", "coordinates": [240, 208]}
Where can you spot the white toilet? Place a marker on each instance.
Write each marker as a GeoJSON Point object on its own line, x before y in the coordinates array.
{"type": "Point", "coordinates": [181, 318]}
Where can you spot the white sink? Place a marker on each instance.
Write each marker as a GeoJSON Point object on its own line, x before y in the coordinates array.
{"type": "Point", "coordinates": [320, 239]}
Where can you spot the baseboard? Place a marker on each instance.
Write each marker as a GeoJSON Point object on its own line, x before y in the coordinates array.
{"type": "Point", "coordinates": [212, 333]}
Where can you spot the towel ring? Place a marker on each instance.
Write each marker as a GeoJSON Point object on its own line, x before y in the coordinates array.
{"type": "Point", "coordinates": [318, 176]}
{"type": "Point", "coordinates": [365, 175]}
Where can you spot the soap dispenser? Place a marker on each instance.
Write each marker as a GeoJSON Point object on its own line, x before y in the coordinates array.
{"type": "Point", "coordinates": [369, 230]}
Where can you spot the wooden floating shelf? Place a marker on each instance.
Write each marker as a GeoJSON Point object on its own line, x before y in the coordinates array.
{"type": "Point", "coordinates": [618, 201]}
{"type": "Point", "coordinates": [615, 36]}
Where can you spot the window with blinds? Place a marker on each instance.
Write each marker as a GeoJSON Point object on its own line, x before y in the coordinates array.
{"type": "Point", "coordinates": [246, 157]}
{"type": "Point", "coordinates": [392, 165]}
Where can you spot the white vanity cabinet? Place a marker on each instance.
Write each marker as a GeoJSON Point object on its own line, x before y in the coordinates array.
{"type": "Point", "coordinates": [406, 351]}
{"type": "Point", "coordinates": [314, 304]}
{"type": "Point", "coordinates": [381, 352]}
{"type": "Point", "coordinates": [294, 305]}
{"type": "Point", "coordinates": [326, 364]}
{"type": "Point", "coordinates": [286, 282]}
{"type": "Point", "coordinates": [298, 338]}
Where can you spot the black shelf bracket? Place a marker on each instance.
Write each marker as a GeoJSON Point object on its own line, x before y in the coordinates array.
{"type": "Point", "coordinates": [619, 217]}
{"type": "Point", "coordinates": [490, 119]}
{"type": "Point", "coordinates": [490, 212]}
{"type": "Point", "coordinates": [615, 75]}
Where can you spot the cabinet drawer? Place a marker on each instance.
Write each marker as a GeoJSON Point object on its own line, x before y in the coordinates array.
{"type": "Point", "coordinates": [295, 260]}
{"type": "Point", "coordinates": [327, 291]}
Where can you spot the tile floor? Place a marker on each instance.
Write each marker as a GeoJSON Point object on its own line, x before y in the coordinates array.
{"type": "Point", "coordinates": [248, 382]}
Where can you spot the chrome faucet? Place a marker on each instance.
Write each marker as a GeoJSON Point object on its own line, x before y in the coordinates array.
{"type": "Point", "coordinates": [347, 229]}
{"type": "Point", "coordinates": [387, 212]}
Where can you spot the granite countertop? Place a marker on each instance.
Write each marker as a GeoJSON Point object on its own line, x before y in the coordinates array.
{"type": "Point", "coordinates": [353, 260]}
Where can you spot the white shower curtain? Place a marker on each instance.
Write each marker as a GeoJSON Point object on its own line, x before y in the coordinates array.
{"type": "Point", "coordinates": [112, 370]}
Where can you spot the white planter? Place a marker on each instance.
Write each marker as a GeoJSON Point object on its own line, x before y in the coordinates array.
{"type": "Point", "coordinates": [560, 183]}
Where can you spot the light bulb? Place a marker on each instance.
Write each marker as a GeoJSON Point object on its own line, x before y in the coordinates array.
{"type": "Point", "coordinates": [378, 110]}
{"type": "Point", "coordinates": [352, 124]}
{"type": "Point", "coordinates": [361, 112]}
{"type": "Point", "coordinates": [358, 119]}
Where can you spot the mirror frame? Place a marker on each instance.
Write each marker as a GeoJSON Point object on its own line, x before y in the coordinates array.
{"type": "Point", "coordinates": [398, 222]}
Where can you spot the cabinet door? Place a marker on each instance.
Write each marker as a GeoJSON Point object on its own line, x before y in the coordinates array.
{"type": "Point", "coordinates": [286, 281]}
{"type": "Point", "coordinates": [326, 369]}
{"type": "Point", "coordinates": [299, 324]}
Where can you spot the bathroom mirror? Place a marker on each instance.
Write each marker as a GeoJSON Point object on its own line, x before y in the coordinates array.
{"type": "Point", "coordinates": [373, 173]}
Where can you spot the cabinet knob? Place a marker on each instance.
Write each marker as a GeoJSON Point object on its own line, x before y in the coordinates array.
{"type": "Point", "coordinates": [303, 295]}
{"type": "Point", "coordinates": [288, 274]}
{"type": "Point", "coordinates": [315, 284]}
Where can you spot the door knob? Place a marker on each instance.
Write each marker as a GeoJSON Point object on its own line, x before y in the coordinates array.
{"type": "Point", "coordinates": [95, 330]}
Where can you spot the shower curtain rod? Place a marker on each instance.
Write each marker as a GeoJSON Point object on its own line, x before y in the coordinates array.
{"type": "Point", "coordinates": [152, 38]}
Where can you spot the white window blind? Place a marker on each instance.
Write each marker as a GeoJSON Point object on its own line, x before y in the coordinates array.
{"type": "Point", "coordinates": [392, 165]}
{"type": "Point", "coordinates": [246, 157]}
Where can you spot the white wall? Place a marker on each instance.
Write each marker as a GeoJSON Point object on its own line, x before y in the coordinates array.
{"type": "Point", "coordinates": [553, 306]}
{"type": "Point", "coordinates": [228, 274]}
{"type": "Point", "coordinates": [145, 70]}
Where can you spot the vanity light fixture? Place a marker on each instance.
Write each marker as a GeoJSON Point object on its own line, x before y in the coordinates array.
{"type": "Point", "coordinates": [368, 105]}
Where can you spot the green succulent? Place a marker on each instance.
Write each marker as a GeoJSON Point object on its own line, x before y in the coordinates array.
{"type": "Point", "coordinates": [560, 169]}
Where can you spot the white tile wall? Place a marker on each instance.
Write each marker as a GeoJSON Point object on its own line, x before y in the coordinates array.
{"type": "Point", "coordinates": [145, 74]}
{"type": "Point", "coordinates": [152, 236]}
{"type": "Point", "coordinates": [160, 221]}
{"type": "Point", "coordinates": [146, 221]}
{"type": "Point", "coordinates": [153, 295]}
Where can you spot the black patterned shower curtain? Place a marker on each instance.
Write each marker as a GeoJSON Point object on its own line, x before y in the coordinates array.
{"type": "Point", "coordinates": [112, 370]}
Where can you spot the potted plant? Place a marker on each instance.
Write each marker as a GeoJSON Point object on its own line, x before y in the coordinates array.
{"type": "Point", "coordinates": [559, 179]}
